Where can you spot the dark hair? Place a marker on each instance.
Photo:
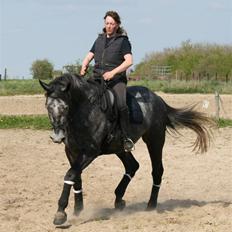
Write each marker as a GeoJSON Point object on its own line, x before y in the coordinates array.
{"type": "Point", "coordinates": [114, 15]}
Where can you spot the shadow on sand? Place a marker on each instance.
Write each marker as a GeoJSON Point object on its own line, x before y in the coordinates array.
{"type": "Point", "coordinates": [169, 205]}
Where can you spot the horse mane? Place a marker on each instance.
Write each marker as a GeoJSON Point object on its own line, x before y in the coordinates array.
{"type": "Point", "coordinates": [79, 87]}
{"type": "Point", "coordinates": [72, 79]}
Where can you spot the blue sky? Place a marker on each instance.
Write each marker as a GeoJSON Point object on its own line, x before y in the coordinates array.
{"type": "Point", "coordinates": [63, 31]}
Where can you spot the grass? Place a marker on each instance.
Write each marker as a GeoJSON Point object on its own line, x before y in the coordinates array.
{"type": "Point", "coordinates": [224, 123]}
{"type": "Point", "coordinates": [22, 87]}
{"type": "Point", "coordinates": [177, 86]}
{"type": "Point", "coordinates": [41, 122]}
{"type": "Point", "coordinates": [37, 122]}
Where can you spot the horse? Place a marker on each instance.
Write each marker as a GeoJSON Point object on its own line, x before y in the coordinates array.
{"type": "Point", "coordinates": [88, 130]}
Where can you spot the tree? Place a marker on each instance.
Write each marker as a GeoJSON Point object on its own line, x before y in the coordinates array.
{"type": "Point", "coordinates": [76, 68]}
{"type": "Point", "coordinates": [42, 69]}
{"type": "Point", "coordinates": [211, 60]}
{"type": "Point", "coordinates": [56, 73]}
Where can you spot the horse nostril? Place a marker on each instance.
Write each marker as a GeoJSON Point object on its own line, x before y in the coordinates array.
{"type": "Point", "coordinates": [51, 137]}
{"type": "Point", "coordinates": [58, 136]}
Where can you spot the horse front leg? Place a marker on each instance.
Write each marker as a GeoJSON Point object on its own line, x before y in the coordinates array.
{"type": "Point", "coordinates": [69, 181]}
{"type": "Point", "coordinates": [131, 166]}
{"type": "Point", "coordinates": [61, 216]}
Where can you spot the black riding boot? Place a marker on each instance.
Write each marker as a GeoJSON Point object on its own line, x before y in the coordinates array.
{"type": "Point", "coordinates": [124, 122]}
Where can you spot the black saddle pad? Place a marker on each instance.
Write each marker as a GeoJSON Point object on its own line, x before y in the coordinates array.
{"type": "Point", "coordinates": [108, 103]}
{"type": "Point", "coordinates": [135, 112]}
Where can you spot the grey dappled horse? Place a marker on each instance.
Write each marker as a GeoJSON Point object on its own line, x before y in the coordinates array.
{"type": "Point", "coordinates": [78, 119]}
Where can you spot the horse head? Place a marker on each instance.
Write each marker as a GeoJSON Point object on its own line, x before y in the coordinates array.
{"type": "Point", "coordinates": [63, 96]}
{"type": "Point", "coordinates": [57, 106]}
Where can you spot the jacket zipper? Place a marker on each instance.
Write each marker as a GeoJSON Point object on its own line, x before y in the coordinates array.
{"type": "Point", "coordinates": [102, 61]}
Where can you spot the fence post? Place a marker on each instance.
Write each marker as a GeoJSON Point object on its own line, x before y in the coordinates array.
{"type": "Point", "coordinates": [217, 103]}
{"type": "Point", "coordinates": [227, 78]}
{"type": "Point", "coordinates": [193, 76]}
{"type": "Point", "coordinates": [0, 77]}
{"type": "Point", "coordinates": [5, 74]}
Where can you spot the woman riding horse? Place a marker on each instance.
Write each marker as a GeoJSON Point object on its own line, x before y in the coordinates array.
{"type": "Point", "coordinates": [111, 52]}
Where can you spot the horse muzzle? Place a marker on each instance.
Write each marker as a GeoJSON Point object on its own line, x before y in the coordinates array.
{"type": "Point", "coordinates": [57, 136]}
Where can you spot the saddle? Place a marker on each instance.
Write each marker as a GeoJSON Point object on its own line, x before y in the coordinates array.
{"type": "Point", "coordinates": [106, 97]}
{"type": "Point", "coordinates": [108, 103]}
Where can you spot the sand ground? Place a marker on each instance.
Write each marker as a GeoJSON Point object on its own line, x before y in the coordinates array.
{"type": "Point", "coordinates": [196, 192]}
{"type": "Point", "coordinates": [205, 103]}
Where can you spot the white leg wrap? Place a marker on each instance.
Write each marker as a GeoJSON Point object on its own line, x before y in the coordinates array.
{"type": "Point", "coordinates": [128, 175]}
{"type": "Point", "coordinates": [69, 182]}
{"type": "Point", "coordinates": [77, 191]}
{"type": "Point", "coordinates": [157, 185]}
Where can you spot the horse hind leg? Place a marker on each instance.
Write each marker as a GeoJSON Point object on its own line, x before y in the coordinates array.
{"type": "Point", "coordinates": [155, 147]}
{"type": "Point", "coordinates": [78, 196]}
{"type": "Point", "coordinates": [131, 166]}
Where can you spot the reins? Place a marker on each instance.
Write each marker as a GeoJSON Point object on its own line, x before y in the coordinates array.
{"type": "Point", "coordinates": [101, 90]}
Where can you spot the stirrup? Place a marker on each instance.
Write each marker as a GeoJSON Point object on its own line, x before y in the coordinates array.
{"type": "Point", "coordinates": [128, 145]}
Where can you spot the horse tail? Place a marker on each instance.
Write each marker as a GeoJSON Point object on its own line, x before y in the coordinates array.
{"type": "Point", "coordinates": [194, 120]}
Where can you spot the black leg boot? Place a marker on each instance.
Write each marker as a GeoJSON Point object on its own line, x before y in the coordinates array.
{"type": "Point", "coordinates": [124, 122]}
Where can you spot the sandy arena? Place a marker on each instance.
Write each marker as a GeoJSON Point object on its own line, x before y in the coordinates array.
{"type": "Point", "coordinates": [196, 192]}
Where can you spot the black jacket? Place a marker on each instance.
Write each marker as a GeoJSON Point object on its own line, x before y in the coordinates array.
{"type": "Point", "coordinates": [109, 56]}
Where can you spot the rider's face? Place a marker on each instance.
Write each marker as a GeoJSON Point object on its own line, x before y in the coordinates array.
{"type": "Point", "coordinates": [111, 26]}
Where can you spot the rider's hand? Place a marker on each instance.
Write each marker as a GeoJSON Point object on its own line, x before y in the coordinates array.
{"type": "Point", "coordinates": [83, 70]}
{"type": "Point", "coordinates": [108, 75]}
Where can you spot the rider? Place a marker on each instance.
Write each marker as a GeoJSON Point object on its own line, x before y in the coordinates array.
{"type": "Point", "coordinates": [111, 52]}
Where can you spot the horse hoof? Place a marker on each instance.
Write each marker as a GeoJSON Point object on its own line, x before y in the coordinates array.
{"type": "Point", "coordinates": [77, 212]}
{"type": "Point", "coordinates": [77, 209]}
{"type": "Point", "coordinates": [120, 205]}
{"type": "Point", "coordinates": [60, 218]}
{"type": "Point", "coordinates": [151, 207]}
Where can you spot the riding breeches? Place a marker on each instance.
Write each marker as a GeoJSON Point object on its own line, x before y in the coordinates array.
{"type": "Point", "coordinates": [120, 90]}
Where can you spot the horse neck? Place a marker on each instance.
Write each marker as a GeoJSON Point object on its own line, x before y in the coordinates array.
{"type": "Point", "coordinates": [86, 124]}
{"type": "Point", "coordinates": [80, 95]}
{"type": "Point", "coordinates": [78, 105]}
{"type": "Point", "coordinates": [84, 106]}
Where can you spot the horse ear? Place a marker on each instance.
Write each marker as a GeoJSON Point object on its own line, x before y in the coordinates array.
{"type": "Point", "coordinates": [45, 86]}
